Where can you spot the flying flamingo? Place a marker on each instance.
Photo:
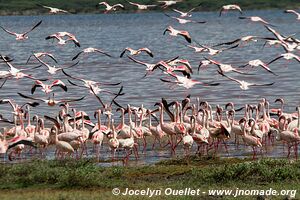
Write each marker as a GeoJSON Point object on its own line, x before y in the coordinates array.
{"type": "Point", "coordinates": [169, 3]}
{"type": "Point", "coordinates": [53, 69]}
{"type": "Point", "coordinates": [48, 88]}
{"type": "Point", "coordinates": [136, 52]}
{"type": "Point", "coordinates": [59, 36]}
{"type": "Point", "coordinates": [256, 19]}
{"type": "Point", "coordinates": [51, 101]}
{"type": "Point", "coordinates": [214, 52]}
{"type": "Point", "coordinates": [174, 32]}
{"type": "Point", "coordinates": [186, 82]}
{"type": "Point", "coordinates": [244, 39]}
{"type": "Point", "coordinates": [294, 12]}
{"type": "Point", "coordinates": [53, 10]}
{"type": "Point", "coordinates": [141, 6]}
{"type": "Point", "coordinates": [287, 56]}
{"type": "Point", "coordinates": [111, 7]}
{"type": "Point", "coordinates": [230, 7]}
{"type": "Point", "coordinates": [21, 36]}
{"type": "Point", "coordinates": [188, 13]}
{"type": "Point", "coordinates": [224, 68]}
{"type": "Point", "coordinates": [243, 84]}
{"type": "Point", "coordinates": [185, 21]}
{"type": "Point", "coordinates": [40, 55]}
{"type": "Point", "coordinates": [259, 63]}
{"type": "Point", "coordinates": [91, 50]}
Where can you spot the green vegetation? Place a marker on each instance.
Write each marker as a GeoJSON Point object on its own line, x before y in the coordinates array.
{"type": "Point", "coordinates": [83, 179]}
{"type": "Point", "coordinates": [28, 7]}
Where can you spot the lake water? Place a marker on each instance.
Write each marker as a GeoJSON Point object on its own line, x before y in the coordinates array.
{"type": "Point", "coordinates": [114, 32]}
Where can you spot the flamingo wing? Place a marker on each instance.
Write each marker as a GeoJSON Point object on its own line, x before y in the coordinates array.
{"type": "Point", "coordinates": [7, 31]}
{"type": "Point", "coordinates": [60, 84]}
{"type": "Point", "coordinates": [39, 23]}
{"type": "Point", "coordinates": [75, 57]}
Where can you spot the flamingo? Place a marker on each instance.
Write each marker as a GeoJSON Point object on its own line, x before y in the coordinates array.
{"type": "Point", "coordinates": [61, 146]}
{"type": "Point", "coordinates": [243, 84]}
{"type": "Point", "coordinates": [51, 101]}
{"type": "Point", "coordinates": [91, 50]}
{"type": "Point", "coordinates": [30, 129]}
{"type": "Point", "coordinates": [48, 88]}
{"type": "Point", "coordinates": [259, 63]}
{"type": "Point", "coordinates": [136, 52]}
{"type": "Point", "coordinates": [167, 128]}
{"type": "Point", "coordinates": [230, 7]}
{"type": "Point", "coordinates": [292, 138]}
{"type": "Point", "coordinates": [53, 10]}
{"type": "Point", "coordinates": [169, 3]}
{"type": "Point", "coordinates": [188, 13]}
{"type": "Point", "coordinates": [256, 19]}
{"type": "Point", "coordinates": [200, 138]}
{"type": "Point", "coordinates": [53, 69]}
{"type": "Point", "coordinates": [128, 143]}
{"type": "Point", "coordinates": [250, 140]}
{"type": "Point", "coordinates": [40, 55]}
{"type": "Point", "coordinates": [155, 130]}
{"type": "Point", "coordinates": [111, 7]}
{"type": "Point", "coordinates": [141, 6]}
{"type": "Point", "coordinates": [186, 82]}
{"type": "Point", "coordinates": [98, 136]}
{"type": "Point", "coordinates": [213, 52]}
{"type": "Point", "coordinates": [224, 68]}
{"type": "Point", "coordinates": [22, 36]}
{"type": "Point", "coordinates": [113, 142]}
{"type": "Point", "coordinates": [244, 39]}
{"type": "Point", "coordinates": [93, 86]}
{"type": "Point", "coordinates": [294, 12]}
{"type": "Point", "coordinates": [174, 32]}
{"type": "Point", "coordinates": [287, 56]}
{"type": "Point", "coordinates": [185, 21]}
{"type": "Point", "coordinates": [59, 36]}
{"type": "Point", "coordinates": [38, 138]}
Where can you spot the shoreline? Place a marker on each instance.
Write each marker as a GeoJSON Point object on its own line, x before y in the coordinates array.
{"type": "Point", "coordinates": [22, 8]}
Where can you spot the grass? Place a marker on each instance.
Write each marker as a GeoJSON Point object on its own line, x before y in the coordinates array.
{"type": "Point", "coordinates": [84, 179]}
{"type": "Point", "coordinates": [30, 7]}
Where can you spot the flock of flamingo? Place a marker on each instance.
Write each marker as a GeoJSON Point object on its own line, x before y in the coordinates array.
{"type": "Point", "coordinates": [173, 125]}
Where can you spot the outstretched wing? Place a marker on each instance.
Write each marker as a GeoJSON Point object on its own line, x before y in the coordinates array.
{"type": "Point", "coordinates": [39, 23]}
{"type": "Point", "coordinates": [98, 98]}
{"type": "Point", "coordinates": [75, 57]}
{"type": "Point", "coordinates": [7, 31]}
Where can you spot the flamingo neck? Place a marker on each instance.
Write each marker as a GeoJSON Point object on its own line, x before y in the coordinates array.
{"type": "Point", "coordinates": [141, 118]}
{"type": "Point", "coordinates": [37, 127]}
{"type": "Point", "coordinates": [161, 120]}
{"type": "Point", "coordinates": [82, 119]}
{"type": "Point", "coordinates": [99, 121]}
{"type": "Point", "coordinates": [28, 120]}
{"type": "Point", "coordinates": [122, 119]}
{"type": "Point", "coordinates": [74, 120]}
{"type": "Point", "coordinates": [150, 124]}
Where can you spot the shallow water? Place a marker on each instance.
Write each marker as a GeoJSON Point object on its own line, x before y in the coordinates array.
{"type": "Point", "coordinates": [115, 32]}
